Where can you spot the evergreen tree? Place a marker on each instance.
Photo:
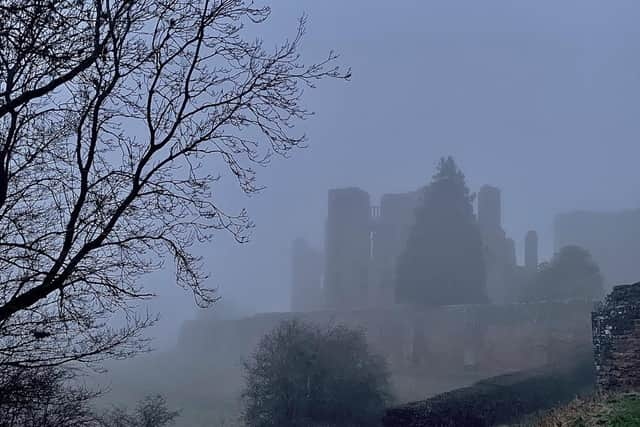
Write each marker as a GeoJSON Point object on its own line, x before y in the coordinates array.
{"type": "Point", "coordinates": [443, 262]}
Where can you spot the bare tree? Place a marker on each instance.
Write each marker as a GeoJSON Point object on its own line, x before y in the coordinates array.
{"type": "Point", "coordinates": [44, 397]}
{"type": "Point", "coordinates": [108, 110]}
{"type": "Point", "coordinates": [55, 397]}
{"type": "Point", "coordinates": [152, 411]}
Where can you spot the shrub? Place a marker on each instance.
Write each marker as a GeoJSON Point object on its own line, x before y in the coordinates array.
{"type": "Point", "coordinates": [303, 375]}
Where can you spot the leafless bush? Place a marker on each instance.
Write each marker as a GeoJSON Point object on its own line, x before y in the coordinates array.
{"type": "Point", "coordinates": [44, 397]}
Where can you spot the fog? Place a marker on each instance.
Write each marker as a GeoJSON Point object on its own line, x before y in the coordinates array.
{"type": "Point", "coordinates": [536, 103]}
{"type": "Point", "coordinates": [540, 99]}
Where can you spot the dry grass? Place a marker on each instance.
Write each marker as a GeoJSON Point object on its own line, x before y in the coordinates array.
{"type": "Point", "coordinates": [615, 410]}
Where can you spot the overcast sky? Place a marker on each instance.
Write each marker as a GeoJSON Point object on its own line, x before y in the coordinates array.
{"type": "Point", "coordinates": [539, 98]}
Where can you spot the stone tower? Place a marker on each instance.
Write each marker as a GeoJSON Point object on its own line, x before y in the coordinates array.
{"type": "Point", "coordinates": [531, 252]}
{"type": "Point", "coordinates": [498, 250]}
{"type": "Point", "coordinates": [347, 249]}
{"type": "Point", "coordinates": [511, 252]}
{"type": "Point", "coordinates": [489, 207]}
{"type": "Point", "coordinates": [391, 230]}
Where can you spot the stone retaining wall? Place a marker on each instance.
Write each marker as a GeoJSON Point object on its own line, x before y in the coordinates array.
{"type": "Point", "coordinates": [616, 339]}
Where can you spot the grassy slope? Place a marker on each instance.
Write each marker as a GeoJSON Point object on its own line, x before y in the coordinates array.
{"type": "Point", "coordinates": [622, 410]}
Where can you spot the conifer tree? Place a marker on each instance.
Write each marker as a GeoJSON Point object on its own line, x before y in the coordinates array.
{"type": "Point", "coordinates": [443, 263]}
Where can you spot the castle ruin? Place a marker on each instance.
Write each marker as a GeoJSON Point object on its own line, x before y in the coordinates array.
{"type": "Point", "coordinates": [363, 242]}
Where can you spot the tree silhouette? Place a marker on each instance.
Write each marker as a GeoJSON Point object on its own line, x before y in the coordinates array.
{"type": "Point", "coordinates": [108, 112]}
{"type": "Point", "coordinates": [301, 375]}
{"type": "Point", "coordinates": [443, 261]}
{"type": "Point", "coordinates": [44, 397]}
{"type": "Point", "coordinates": [571, 274]}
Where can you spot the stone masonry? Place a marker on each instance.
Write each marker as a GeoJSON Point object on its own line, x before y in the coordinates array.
{"type": "Point", "coordinates": [616, 339]}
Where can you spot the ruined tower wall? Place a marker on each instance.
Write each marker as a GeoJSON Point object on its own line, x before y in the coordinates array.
{"type": "Point", "coordinates": [347, 249]}
{"type": "Point", "coordinates": [616, 339]}
{"type": "Point", "coordinates": [489, 207]}
{"type": "Point", "coordinates": [498, 253]}
{"type": "Point", "coordinates": [391, 230]}
{"type": "Point", "coordinates": [531, 251]}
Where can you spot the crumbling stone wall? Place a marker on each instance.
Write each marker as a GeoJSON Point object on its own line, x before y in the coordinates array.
{"type": "Point", "coordinates": [492, 339]}
{"type": "Point", "coordinates": [429, 351]}
{"type": "Point", "coordinates": [616, 339]}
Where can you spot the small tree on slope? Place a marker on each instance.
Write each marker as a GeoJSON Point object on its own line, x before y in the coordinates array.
{"type": "Point", "coordinates": [302, 375]}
